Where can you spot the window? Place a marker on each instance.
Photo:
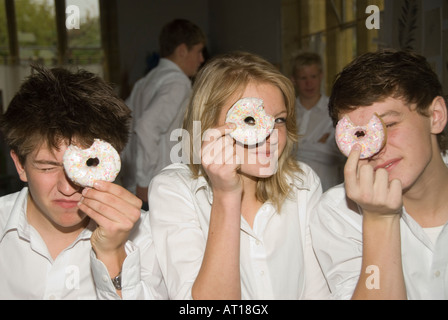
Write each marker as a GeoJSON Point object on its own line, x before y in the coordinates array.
{"type": "Point", "coordinates": [84, 43]}
{"type": "Point", "coordinates": [36, 32]}
{"type": "Point", "coordinates": [39, 31]}
{"type": "Point", "coordinates": [336, 29]}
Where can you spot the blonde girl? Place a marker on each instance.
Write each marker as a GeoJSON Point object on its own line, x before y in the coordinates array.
{"type": "Point", "coordinates": [234, 225]}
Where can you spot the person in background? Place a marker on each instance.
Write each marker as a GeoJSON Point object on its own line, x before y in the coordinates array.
{"type": "Point", "coordinates": [317, 146]}
{"type": "Point", "coordinates": [158, 102]}
{"type": "Point", "coordinates": [57, 239]}
{"type": "Point", "coordinates": [383, 234]}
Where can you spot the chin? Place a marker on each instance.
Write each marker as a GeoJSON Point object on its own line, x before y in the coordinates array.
{"type": "Point", "coordinates": [261, 171]}
{"type": "Point", "coordinates": [71, 220]}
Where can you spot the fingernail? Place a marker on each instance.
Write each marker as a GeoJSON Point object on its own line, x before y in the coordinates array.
{"type": "Point", "coordinates": [356, 147]}
{"type": "Point", "coordinates": [84, 191]}
{"type": "Point", "coordinates": [97, 184]}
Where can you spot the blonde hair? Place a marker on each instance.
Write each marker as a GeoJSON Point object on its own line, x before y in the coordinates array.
{"type": "Point", "coordinates": [227, 76]}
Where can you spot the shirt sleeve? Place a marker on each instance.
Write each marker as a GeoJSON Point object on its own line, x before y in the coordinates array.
{"type": "Point", "coordinates": [177, 233]}
{"type": "Point", "coordinates": [337, 240]}
{"type": "Point", "coordinates": [141, 276]}
{"type": "Point", "coordinates": [155, 121]}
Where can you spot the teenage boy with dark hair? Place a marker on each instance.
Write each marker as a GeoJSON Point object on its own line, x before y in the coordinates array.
{"type": "Point", "coordinates": [383, 234]}
{"type": "Point", "coordinates": [57, 239]}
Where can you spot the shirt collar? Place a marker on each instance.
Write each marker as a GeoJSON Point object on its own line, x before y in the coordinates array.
{"type": "Point", "coordinates": [17, 219]}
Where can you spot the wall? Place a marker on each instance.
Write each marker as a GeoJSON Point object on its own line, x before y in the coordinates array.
{"type": "Point", "coordinates": [139, 25]}
{"type": "Point", "coordinates": [251, 25]}
{"type": "Point", "coordinates": [421, 26]}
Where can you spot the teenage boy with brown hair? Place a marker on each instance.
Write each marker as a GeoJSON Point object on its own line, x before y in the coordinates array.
{"type": "Point", "coordinates": [383, 234]}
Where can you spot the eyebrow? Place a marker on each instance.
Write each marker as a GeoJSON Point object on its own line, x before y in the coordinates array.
{"type": "Point", "coordinates": [48, 162]}
{"type": "Point", "coordinates": [281, 112]}
{"type": "Point", "coordinates": [390, 113]}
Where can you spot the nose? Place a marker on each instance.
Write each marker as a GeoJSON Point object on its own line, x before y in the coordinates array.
{"type": "Point", "coordinates": [273, 137]}
{"type": "Point", "coordinates": [66, 186]}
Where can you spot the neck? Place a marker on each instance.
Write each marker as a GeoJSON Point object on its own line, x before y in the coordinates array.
{"type": "Point", "coordinates": [249, 202]}
{"type": "Point", "coordinates": [178, 61]}
{"type": "Point", "coordinates": [426, 201]}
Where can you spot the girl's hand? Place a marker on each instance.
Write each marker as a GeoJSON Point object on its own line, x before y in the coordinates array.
{"type": "Point", "coordinates": [219, 159]}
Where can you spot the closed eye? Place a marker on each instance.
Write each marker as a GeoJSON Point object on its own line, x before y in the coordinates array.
{"type": "Point", "coordinates": [388, 125]}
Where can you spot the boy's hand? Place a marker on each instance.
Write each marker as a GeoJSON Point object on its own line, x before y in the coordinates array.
{"type": "Point", "coordinates": [371, 189]}
{"type": "Point", "coordinates": [116, 211]}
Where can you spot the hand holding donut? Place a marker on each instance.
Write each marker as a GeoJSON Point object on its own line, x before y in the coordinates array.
{"type": "Point", "coordinates": [112, 207]}
{"type": "Point", "coordinates": [219, 159]}
{"type": "Point", "coordinates": [116, 211]}
{"type": "Point", "coordinates": [371, 189]}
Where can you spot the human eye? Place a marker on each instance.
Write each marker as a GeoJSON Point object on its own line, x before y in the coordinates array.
{"type": "Point", "coordinates": [280, 120]}
{"type": "Point", "coordinates": [47, 167]}
{"type": "Point", "coordinates": [390, 124]}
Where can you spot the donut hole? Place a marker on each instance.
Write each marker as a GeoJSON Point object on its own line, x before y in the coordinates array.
{"type": "Point", "coordinates": [250, 121]}
{"type": "Point", "coordinates": [360, 134]}
{"type": "Point", "coordinates": [93, 162]}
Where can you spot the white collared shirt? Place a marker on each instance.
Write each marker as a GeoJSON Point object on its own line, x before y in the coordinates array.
{"type": "Point", "coordinates": [336, 232]}
{"type": "Point", "coordinates": [276, 258]}
{"type": "Point", "coordinates": [27, 271]}
{"type": "Point", "coordinates": [158, 102]}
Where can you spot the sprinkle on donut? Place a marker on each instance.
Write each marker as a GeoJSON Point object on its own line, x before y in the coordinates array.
{"type": "Point", "coordinates": [371, 137]}
{"type": "Point", "coordinates": [99, 162]}
{"type": "Point", "coordinates": [253, 124]}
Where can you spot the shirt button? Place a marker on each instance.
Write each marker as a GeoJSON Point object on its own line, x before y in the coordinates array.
{"type": "Point", "coordinates": [437, 273]}
{"type": "Point", "coordinates": [261, 273]}
{"type": "Point", "coordinates": [105, 278]}
{"type": "Point", "coordinates": [257, 242]}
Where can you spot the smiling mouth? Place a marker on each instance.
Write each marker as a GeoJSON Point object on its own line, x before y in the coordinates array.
{"type": "Point", "coordinates": [388, 165]}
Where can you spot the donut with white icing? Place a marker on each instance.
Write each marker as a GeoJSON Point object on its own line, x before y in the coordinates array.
{"type": "Point", "coordinates": [253, 125]}
{"type": "Point", "coordinates": [99, 162]}
{"type": "Point", "coordinates": [371, 137]}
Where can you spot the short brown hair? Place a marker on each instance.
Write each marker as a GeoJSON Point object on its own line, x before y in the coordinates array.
{"type": "Point", "coordinates": [306, 59]}
{"type": "Point", "coordinates": [56, 105]}
{"type": "Point", "coordinates": [177, 32]}
{"type": "Point", "coordinates": [376, 76]}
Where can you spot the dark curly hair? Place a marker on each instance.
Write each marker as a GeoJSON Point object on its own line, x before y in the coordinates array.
{"type": "Point", "coordinates": [56, 105]}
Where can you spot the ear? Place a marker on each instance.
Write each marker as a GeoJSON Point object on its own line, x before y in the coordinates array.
{"type": "Point", "coordinates": [19, 167]}
{"type": "Point", "coordinates": [438, 113]}
{"type": "Point", "coordinates": [181, 50]}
